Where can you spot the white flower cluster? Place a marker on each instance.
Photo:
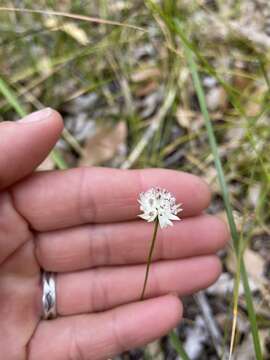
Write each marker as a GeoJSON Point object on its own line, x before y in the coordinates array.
{"type": "Point", "coordinates": [159, 203]}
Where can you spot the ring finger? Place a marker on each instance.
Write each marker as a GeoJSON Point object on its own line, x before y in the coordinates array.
{"type": "Point", "coordinates": [105, 288]}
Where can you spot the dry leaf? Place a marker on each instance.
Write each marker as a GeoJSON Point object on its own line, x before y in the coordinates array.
{"type": "Point", "coordinates": [253, 109]}
{"type": "Point", "coordinates": [145, 74]}
{"type": "Point", "coordinates": [69, 28]}
{"type": "Point", "coordinates": [44, 65]}
{"type": "Point", "coordinates": [217, 98]}
{"type": "Point", "coordinates": [253, 261]}
{"type": "Point", "coordinates": [147, 89]}
{"type": "Point", "coordinates": [47, 164]}
{"type": "Point", "coordinates": [154, 350]}
{"type": "Point", "coordinates": [254, 194]}
{"type": "Point", "coordinates": [225, 285]}
{"type": "Point", "coordinates": [184, 117]}
{"type": "Point", "coordinates": [104, 145]}
{"type": "Point", "coordinates": [238, 218]}
{"type": "Point", "coordinates": [245, 351]}
{"type": "Point", "coordinates": [254, 264]}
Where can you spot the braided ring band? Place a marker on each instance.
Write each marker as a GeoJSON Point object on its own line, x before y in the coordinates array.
{"type": "Point", "coordinates": [49, 295]}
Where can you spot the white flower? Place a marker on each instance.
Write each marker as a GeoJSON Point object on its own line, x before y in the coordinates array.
{"type": "Point", "coordinates": [159, 203]}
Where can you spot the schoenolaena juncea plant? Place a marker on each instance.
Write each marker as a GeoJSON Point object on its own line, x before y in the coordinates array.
{"type": "Point", "coordinates": [159, 206]}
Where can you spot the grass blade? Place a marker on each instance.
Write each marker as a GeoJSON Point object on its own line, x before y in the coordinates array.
{"type": "Point", "coordinates": [72, 16]}
{"type": "Point", "coordinates": [235, 236]}
{"type": "Point", "coordinates": [14, 102]}
{"type": "Point", "coordinates": [58, 160]}
{"type": "Point", "coordinates": [11, 98]}
{"type": "Point", "coordinates": [176, 343]}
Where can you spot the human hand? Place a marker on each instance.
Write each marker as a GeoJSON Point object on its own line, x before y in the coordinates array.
{"type": "Point", "coordinates": [82, 224]}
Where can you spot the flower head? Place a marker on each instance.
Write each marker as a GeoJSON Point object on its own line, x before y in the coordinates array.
{"type": "Point", "coordinates": [159, 203]}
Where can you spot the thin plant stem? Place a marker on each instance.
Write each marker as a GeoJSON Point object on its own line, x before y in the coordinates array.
{"type": "Point", "coordinates": [235, 236]}
{"type": "Point", "coordinates": [149, 259]}
{"type": "Point", "coordinates": [235, 307]}
{"type": "Point", "coordinates": [72, 16]}
{"type": "Point", "coordinates": [179, 348]}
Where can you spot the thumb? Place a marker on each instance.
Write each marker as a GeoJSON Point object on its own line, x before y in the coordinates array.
{"type": "Point", "coordinates": [25, 143]}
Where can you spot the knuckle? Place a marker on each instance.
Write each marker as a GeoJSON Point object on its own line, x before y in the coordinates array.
{"type": "Point", "coordinates": [99, 294]}
{"type": "Point", "coordinates": [223, 231]}
{"type": "Point", "coordinates": [12, 226]}
{"type": "Point", "coordinates": [75, 349]}
{"type": "Point", "coordinates": [85, 199]}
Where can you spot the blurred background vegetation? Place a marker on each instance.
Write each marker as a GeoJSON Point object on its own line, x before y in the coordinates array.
{"type": "Point", "coordinates": [123, 83]}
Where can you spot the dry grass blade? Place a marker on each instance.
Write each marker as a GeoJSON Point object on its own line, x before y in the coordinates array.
{"type": "Point", "coordinates": [73, 16]}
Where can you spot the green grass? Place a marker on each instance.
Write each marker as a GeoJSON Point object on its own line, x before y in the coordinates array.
{"type": "Point", "coordinates": [14, 102]}
{"type": "Point", "coordinates": [176, 343]}
{"type": "Point", "coordinates": [226, 199]}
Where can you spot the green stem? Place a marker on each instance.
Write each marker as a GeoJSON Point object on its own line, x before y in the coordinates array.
{"type": "Point", "coordinates": [225, 194]}
{"type": "Point", "coordinates": [178, 346]}
{"type": "Point", "coordinates": [150, 257]}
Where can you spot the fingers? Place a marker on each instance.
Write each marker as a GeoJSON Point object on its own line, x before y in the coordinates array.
{"type": "Point", "coordinates": [128, 243]}
{"type": "Point", "coordinates": [62, 199]}
{"type": "Point", "coordinates": [24, 144]}
{"type": "Point", "coordinates": [105, 288]}
{"type": "Point", "coordinates": [101, 336]}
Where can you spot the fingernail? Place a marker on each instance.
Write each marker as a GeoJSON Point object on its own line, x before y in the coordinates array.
{"type": "Point", "coordinates": [36, 116]}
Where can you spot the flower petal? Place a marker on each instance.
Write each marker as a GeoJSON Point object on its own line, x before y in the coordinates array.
{"type": "Point", "coordinates": [173, 217]}
{"type": "Point", "coordinates": [144, 216]}
{"type": "Point", "coordinates": [164, 221]}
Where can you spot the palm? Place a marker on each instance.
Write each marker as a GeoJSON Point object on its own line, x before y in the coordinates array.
{"type": "Point", "coordinates": [83, 226]}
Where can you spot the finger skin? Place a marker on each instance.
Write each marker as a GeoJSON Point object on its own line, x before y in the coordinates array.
{"type": "Point", "coordinates": [105, 288]}
{"type": "Point", "coordinates": [89, 246]}
{"type": "Point", "coordinates": [56, 200]}
{"type": "Point", "coordinates": [20, 301]}
{"type": "Point", "coordinates": [24, 145]}
{"type": "Point", "coordinates": [102, 336]}
{"type": "Point", "coordinates": [14, 230]}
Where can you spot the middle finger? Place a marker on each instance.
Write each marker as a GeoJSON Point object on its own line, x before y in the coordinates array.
{"type": "Point", "coordinates": [89, 246]}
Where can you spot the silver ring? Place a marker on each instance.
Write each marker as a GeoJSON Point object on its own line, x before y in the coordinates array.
{"type": "Point", "coordinates": [49, 295]}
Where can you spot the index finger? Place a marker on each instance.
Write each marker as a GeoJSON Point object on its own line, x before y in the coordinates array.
{"type": "Point", "coordinates": [59, 199]}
